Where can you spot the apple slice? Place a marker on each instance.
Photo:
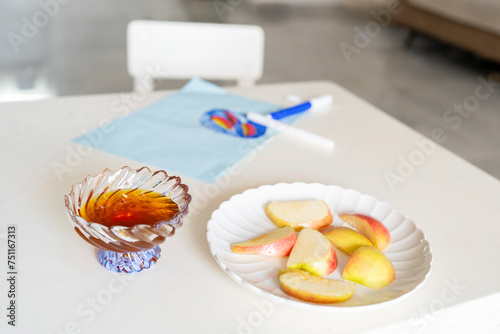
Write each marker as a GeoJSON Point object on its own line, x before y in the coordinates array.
{"type": "Point", "coordinates": [313, 253]}
{"type": "Point", "coordinates": [345, 239]}
{"type": "Point", "coordinates": [276, 243]}
{"type": "Point", "coordinates": [304, 286]}
{"type": "Point", "coordinates": [370, 228]}
{"type": "Point", "coordinates": [370, 267]}
{"type": "Point", "coordinates": [300, 214]}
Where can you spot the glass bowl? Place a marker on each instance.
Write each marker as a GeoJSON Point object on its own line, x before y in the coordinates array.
{"type": "Point", "coordinates": [127, 248]}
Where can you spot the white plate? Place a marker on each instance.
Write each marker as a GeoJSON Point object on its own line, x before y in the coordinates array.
{"type": "Point", "coordinates": [242, 217]}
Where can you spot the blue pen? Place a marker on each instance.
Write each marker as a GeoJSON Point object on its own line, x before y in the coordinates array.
{"type": "Point", "coordinates": [315, 102]}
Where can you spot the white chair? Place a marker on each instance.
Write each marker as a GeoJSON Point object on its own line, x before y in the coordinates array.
{"type": "Point", "coordinates": [181, 50]}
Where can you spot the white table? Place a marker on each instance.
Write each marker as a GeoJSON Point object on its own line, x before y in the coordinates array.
{"type": "Point", "coordinates": [63, 289]}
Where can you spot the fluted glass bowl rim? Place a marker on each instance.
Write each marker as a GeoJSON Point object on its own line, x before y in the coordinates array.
{"type": "Point", "coordinates": [177, 216]}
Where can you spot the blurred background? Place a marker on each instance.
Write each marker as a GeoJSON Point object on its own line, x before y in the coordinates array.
{"type": "Point", "coordinates": [72, 47]}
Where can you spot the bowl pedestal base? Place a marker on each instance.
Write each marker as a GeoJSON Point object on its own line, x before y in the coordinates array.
{"type": "Point", "coordinates": [129, 262]}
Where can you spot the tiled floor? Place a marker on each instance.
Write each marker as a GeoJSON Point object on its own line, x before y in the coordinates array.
{"type": "Point", "coordinates": [82, 50]}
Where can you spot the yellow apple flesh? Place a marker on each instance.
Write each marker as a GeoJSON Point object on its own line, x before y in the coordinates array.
{"type": "Point", "coordinates": [371, 228]}
{"type": "Point", "coordinates": [300, 214]}
{"type": "Point", "coordinates": [313, 253]}
{"type": "Point", "coordinates": [345, 239]}
{"type": "Point", "coordinates": [276, 243]}
{"type": "Point", "coordinates": [307, 287]}
{"type": "Point", "coordinates": [370, 267]}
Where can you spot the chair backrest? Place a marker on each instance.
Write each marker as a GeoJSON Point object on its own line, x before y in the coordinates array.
{"type": "Point", "coordinates": [181, 50]}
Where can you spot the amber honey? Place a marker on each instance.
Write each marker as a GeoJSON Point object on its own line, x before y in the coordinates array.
{"type": "Point", "coordinates": [129, 207]}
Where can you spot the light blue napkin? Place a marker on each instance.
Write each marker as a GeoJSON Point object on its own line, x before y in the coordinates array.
{"type": "Point", "coordinates": [168, 135]}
